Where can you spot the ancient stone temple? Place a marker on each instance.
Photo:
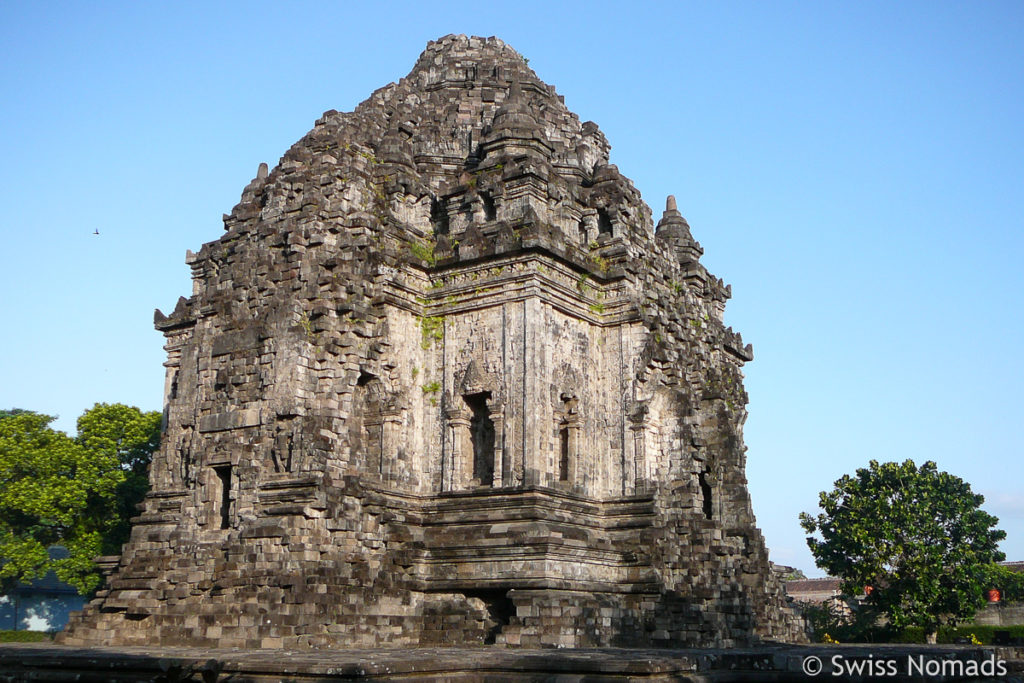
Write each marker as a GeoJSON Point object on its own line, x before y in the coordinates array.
{"type": "Point", "coordinates": [444, 380]}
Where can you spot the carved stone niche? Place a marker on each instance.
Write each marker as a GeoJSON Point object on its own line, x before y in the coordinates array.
{"type": "Point", "coordinates": [657, 423]}
{"type": "Point", "coordinates": [567, 444]}
{"type": "Point", "coordinates": [217, 484]}
{"type": "Point", "coordinates": [635, 472]}
{"type": "Point", "coordinates": [475, 417]}
{"type": "Point", "coordinates": [376, 429]}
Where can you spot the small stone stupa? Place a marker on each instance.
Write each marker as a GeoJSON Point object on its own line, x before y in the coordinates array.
{"type": "Point", "coordinates": [443, 381]}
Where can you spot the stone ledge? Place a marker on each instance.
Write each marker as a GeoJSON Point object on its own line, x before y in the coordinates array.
{"type": "Point", "coordinates": [44, 661]}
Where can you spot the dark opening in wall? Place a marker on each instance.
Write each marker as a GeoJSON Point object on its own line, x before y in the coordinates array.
{"type": "Point", "coordinates": [481, 430]}
{"type": "Point", "coordinates": [563, 460]}
{"type": "Point", "coordinates": [490, 211]}
{"type": "Point", "coordinates": [500, 609]}
{"type": "Point", "coordinates": [568, 434]}
{"type": "Point", "coordinates": [604, 223]}
{"type": "Point", "coordinates": [705, 493]}
{"type": "Point", "coordinates": [582, 227]}
{"type": "Point", "coordinates": [439, 216]}
{"type": "Point", "coordinates": [224, 476]}
{"type": "Point", "coordinates": [367, 426]}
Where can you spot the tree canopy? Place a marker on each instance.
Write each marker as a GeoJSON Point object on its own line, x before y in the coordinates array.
{"type": "Point", "coordinates": [75, 492]}
{"type": "Point", "coordinates": [124, 431]}
{"type": "Point", "coordinates": [916, 536]}
{"type": "Point", "coordinates": [131, 436]}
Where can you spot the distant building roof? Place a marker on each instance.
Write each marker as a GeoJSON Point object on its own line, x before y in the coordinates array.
{"type": "Point", "coordinates": [813, 590]}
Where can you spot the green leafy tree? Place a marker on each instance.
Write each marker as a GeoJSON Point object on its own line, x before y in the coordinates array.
{"type": "Point", "coordinates": [916, 536]}
{"type": "Point", "coordinates": [50, 490]}
{"type": "Point", "coordinates": [131, 436]}
{"type": "Point", "coordinates": [79, 493]}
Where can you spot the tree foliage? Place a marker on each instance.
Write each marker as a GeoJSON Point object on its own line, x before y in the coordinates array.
{"type": "Point", "coordinates": [78, 493]}
{"type": "Point", "coordinates": [1008, 582]}
{"type": "Point", "coordinates": [131, 436]}
{"type": "Point", "coordinates": [916, 536]}
{"type": "Point", "coordinates": [123, 431]}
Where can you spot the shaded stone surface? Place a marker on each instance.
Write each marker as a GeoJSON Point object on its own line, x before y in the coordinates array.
{"type": "Point", "coordinates": [443, 381]}
{"type": "Point", "coordinates": [774, 663]}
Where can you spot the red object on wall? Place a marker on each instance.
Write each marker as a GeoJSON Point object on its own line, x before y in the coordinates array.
{"type": "Point", "coordinates": [994, 595]}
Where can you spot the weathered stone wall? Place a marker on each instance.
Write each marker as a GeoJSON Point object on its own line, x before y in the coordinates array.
{"type": "Point", "coordinates": [442, 380]}
{"type": "Point", "coordinates": [1001, 614]}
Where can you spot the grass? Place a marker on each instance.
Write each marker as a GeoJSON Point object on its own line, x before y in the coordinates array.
{"type": "Point", "coordinates": [24, 636]}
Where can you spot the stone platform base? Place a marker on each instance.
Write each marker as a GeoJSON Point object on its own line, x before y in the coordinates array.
{"type": "Point", "coordinates": [47, 662]}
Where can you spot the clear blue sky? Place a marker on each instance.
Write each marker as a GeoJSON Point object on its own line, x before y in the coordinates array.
{"type": "Point", "coordinates": [854, 170]}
